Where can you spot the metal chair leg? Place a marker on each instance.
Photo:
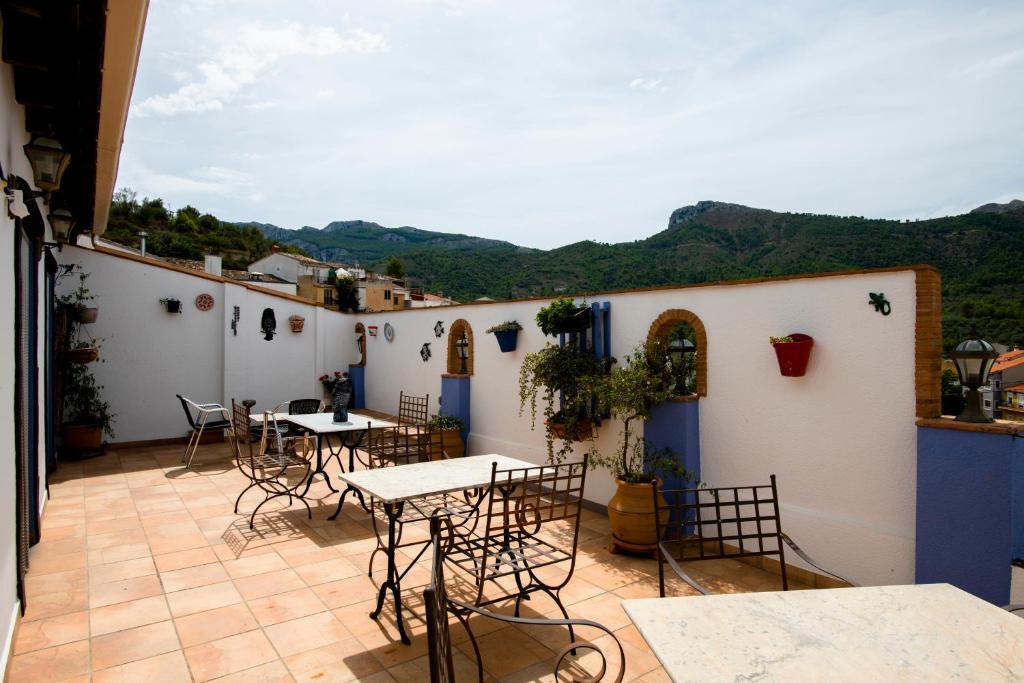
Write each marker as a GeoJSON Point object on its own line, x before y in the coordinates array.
{"type": "Point", "coordinates": [199, 436]}
{"type": "Point", "coordinates": [185, 457]}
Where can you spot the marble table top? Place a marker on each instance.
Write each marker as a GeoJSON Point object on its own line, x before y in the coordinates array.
{"type": "Point", "coordinates": [930, 632]}
{"type": "Point", "coordinates": [323, 423]}
{"type": "Point", "coordinates": [392, 484]}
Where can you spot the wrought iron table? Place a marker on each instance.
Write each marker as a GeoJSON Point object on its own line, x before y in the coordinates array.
{"type": "Point", "coordinates": [350, 435]}
{"type": "Point", "coordinates": [930, 632]}
{"type": "Point", "coordinates": [394, 487]}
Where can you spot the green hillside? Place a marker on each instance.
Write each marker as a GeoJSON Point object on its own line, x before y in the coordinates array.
{"type": "Point", "coordinates": [975, 252]}
{"type": "Point", "coordinates": [184, 233]}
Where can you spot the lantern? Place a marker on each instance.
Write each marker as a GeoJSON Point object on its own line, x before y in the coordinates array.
{"type": "Point", "coordinates": [973, 359]}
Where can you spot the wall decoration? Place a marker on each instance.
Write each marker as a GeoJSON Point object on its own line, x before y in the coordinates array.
{"type": "Point", "coordinates": [425, 351]}
{"type": "Point", "coordinates": [296, 322]}
{"type": "Point", "coordinates": [172, 305]}
{"type": "Point", "coordinates": [268, 324]}
{"type": "Point", "coordinates": [880, 303]}
{"type": "Point", "coordinates": [372, 330]}
{"type": "Point", "coordinates": [438, 329]}
{"type": "Point", "coordinates": [204, 302]}
{"type": "Point", "coordinates": [234, 320]}
{"type": "Point", "coordinates": [389, 332]}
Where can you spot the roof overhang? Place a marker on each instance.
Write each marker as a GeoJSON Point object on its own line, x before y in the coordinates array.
{"type": "Point", "coordinates": [74, 68]}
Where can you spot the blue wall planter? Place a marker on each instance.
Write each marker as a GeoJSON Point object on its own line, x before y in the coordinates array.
{"type": "Point", "coordinates": [507, 340]}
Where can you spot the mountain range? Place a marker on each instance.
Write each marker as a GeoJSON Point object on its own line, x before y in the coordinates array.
{"type": "Point", "coordinates": [977, 254]}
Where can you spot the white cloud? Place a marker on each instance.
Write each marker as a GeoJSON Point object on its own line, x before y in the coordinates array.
{"type": "Point", "coordinates": [251, 52]}
{"type": "Point", "coordinates": [645, 83]}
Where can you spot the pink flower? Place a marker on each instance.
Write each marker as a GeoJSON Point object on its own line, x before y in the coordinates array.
{"type": "Point", "coordinates": [337, 374]}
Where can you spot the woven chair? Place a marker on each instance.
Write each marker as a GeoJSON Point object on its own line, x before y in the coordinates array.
{"type": "Point", "coordinates": [729, 522]}
{"type": "Point", "coordinates": [298, 406]}
{"type": "Point", "coordinates": [267, 461]}
{"type": "Point", "coordinates": [412, 410]}
{"type": "Point", "coordinates": [439, 606]}
{"type": "Point", "coordinates": [397, 446]}
{"type": "Point", "coordinates": [210, 416]}
{"type": "Point", "coordinates": [529, 519]}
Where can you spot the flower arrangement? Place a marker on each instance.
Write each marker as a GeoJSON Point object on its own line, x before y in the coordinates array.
{"type": "Point", "coordinates": [331, 381]}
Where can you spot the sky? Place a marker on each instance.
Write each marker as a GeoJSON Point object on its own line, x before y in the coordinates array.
{"type": "Point", "coordinates": [546, 123]}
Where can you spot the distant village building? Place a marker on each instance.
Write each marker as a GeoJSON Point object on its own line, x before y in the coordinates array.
{"type": "Point", "coordinates": [1004, 396]}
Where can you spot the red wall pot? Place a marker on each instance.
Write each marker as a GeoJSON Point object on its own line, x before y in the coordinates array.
{"type": "Point", "coordinates": [793, 356]}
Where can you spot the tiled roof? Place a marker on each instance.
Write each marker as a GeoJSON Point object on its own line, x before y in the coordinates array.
{"type": "Point", "coordinates": [1008, 360]}
{"type": "Point", "coordinates": [1015, 387]}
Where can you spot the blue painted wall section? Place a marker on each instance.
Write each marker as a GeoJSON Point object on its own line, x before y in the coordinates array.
{"type": "Point", "coordinates": [455, 401]}
{"type": "Point", "coordinates": [676, 425]}
{"type": "Point", "coordinates": [970, 515]}
{"type": "Point", "coordinates": [357, 373]}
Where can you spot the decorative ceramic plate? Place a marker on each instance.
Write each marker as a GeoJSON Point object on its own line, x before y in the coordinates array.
{"type": "Point", "coordinates": [389, 332]}
{"type": "Point", "coordinates": [204, 302]}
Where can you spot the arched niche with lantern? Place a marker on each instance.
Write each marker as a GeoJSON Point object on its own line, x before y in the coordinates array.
{"type": "Point", "coordinates": [460, 348]}
{"type": "Point", "coordinates": [361, 344]}
{"type": "Point", "coordinates": [683, 335]}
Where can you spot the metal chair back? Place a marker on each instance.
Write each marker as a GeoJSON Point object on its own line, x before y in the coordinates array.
{"type": "Point", "coordinates": [435, 600]}
{"type": "Point", "coordinates": [719, 523]}
{"type": "Point", "coordinates": [412, 410]}
{"type": "Point", "coordinates": [185, 404]}
{"type": "Point", "coordinates": [391, 446]}
{"type": "Point", "coordinates": [304, 406]}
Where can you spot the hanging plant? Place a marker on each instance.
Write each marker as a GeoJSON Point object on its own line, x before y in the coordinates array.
{"type": "Point", "coordinates": [793, 353]}
{"type": "Point", "coordinates": [563, 316]}
{"type": "Point", "coordinates": [172, 305]}
{"type": "Point", "coordinates": [507, 334]}
{"type": "Point", "coordinates": [568, 371]}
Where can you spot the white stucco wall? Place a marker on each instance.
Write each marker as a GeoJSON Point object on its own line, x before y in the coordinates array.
{"type": "Point", "coordinates": [842, 439]}
{"type": "Point", "coordinates": [150, 355]}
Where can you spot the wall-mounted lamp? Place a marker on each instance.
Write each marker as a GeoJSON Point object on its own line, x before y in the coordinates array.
{"type": "Point", "coordinates": [462, 348]}
{"type": "Point", "coordinates": [49, 161]}
{"type": "Point", "coordinates": [973, 359]}
{"type": "Point", "coordinates": [61, 221]}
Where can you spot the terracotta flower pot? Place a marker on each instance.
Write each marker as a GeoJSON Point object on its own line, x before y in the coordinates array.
{"type": "Point", "coordinates": [82, 437]}
{"type": "Point", "coordinates": [446, 441]}
{"type": "Point", "coordinates": [631, 515]}
{"type": "Point", "coordinates": [793, 356]}
{"type": "Point", "coordinates": [584, 429]}
{"type": "Point", "coordinates": [85, 354]}
{"type": "Point", "coordinates": [297, 322]}
{"type": "Point", "coordinates": [85, 315]}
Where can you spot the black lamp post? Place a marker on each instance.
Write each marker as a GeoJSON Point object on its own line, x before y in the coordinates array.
{"type": "Point", "coordinates": [973, 359]}
{"type": "Point", "coordinates": [462, 348]}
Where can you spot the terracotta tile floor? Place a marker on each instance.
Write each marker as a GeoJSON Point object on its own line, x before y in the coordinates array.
{"type": "Point", "coordinates": [145, 574]}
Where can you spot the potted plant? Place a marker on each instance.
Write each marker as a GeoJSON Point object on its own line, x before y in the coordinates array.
{"type": "Point", "coordinates": [629, 393]}
{"type": "Point", "coordinates": [507, 333]}
{"type": "Point", "coordinates": [566, 370]}
{"type": "Point", "coordinates": [75, 304]}
{"type": "Point", "coordinates": [86, 415]}
{"type": "Point", "coordinates": [449, 428]}
{"type": "Point", "coordinates": [793, 351]}
{"type": "Point", "coordinates": [563, 316]}
{"type": "Point", "coordinates": [297, 322]}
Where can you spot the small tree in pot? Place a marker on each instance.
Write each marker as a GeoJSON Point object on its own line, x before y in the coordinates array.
{"type": "Point", "coordinates": [86, 415]}
{"type": "Point", "coordinates": [630, 393]}
{"type": "Point", "coordinates": [448, 439]}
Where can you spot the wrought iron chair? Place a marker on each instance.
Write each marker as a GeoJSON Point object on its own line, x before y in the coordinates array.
{"type": "Point", "coordinates": [439, 606]}
{"type": "Point", "coordinates": [396, 446]}
{"type": "Point", "coordinates": [207, 416]}
{"type": "Point", "coordinates": [412, 410]}
{"type": "Point", "coordinates": [722, 523]}
{"type": "Point", "coordinates": [266, 462]}
{"type": "Point", "coordinates": [1015, 609]}
{"type": "Point", "coordinates": [520, 528]}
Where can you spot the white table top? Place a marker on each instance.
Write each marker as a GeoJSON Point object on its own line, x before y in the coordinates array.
{"type": "Point", "coordinates": [907, 633]}
{"type": "Point", "coordinates": [392, 484]}
{"type": "Point", "coordinates": [323, 423]}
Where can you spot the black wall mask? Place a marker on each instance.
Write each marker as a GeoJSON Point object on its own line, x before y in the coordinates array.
{"type": "Point", "coordinates": [268, 323]}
